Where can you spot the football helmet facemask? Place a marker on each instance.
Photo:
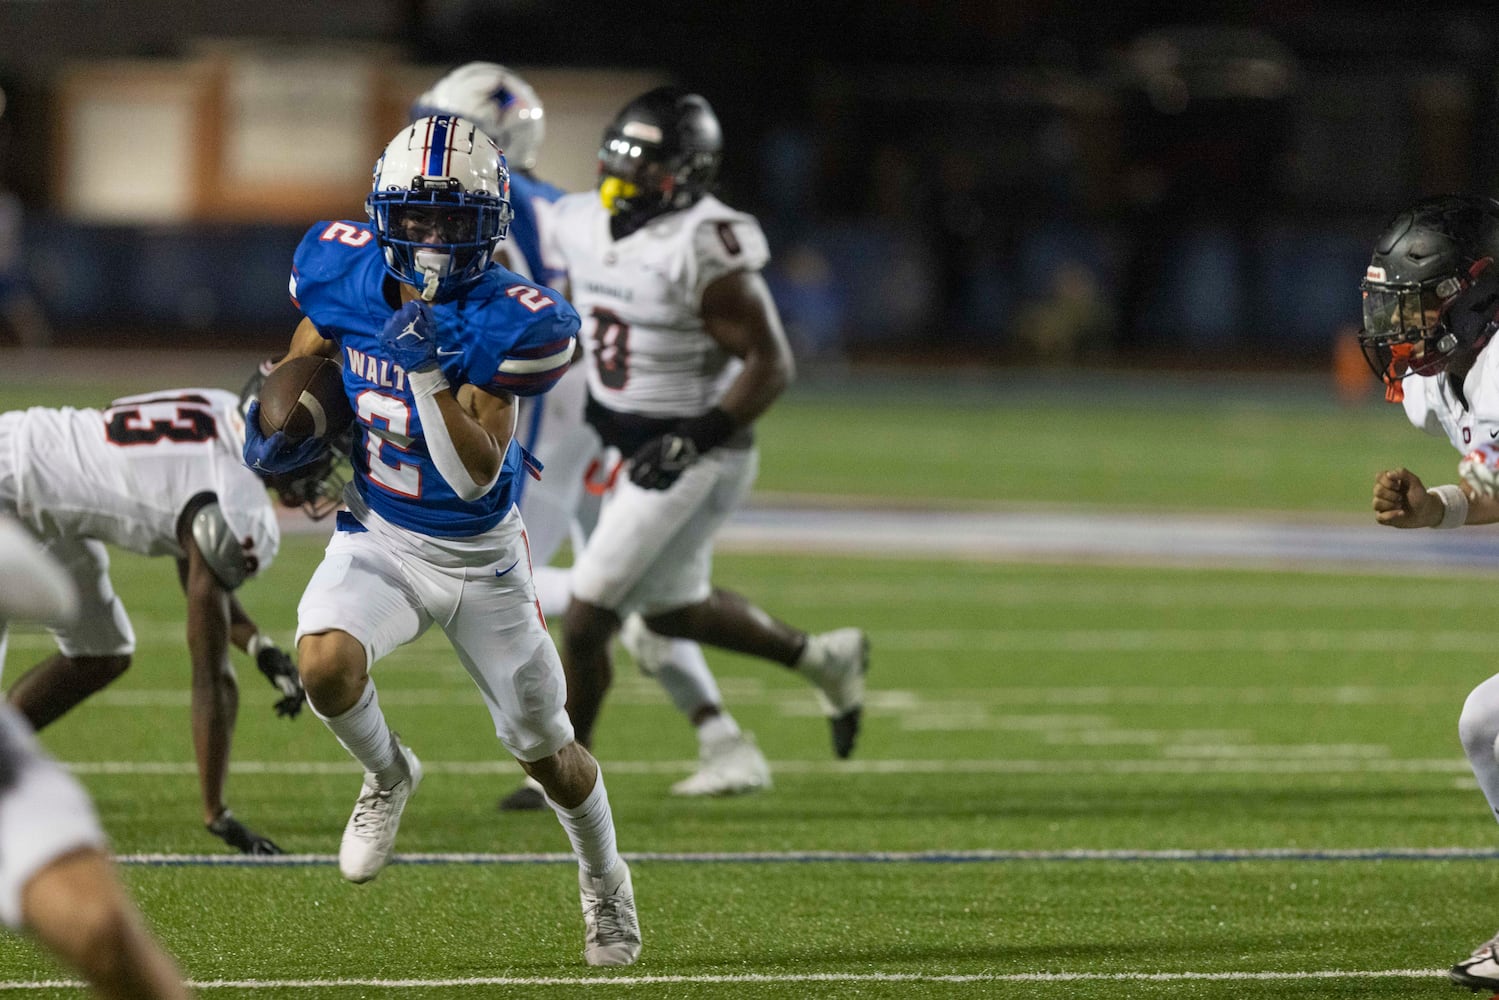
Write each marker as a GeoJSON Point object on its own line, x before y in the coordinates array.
{"type": "Point", "coordinates": [660, 153]}
{"type": "Point", "coordinates": [317, 487]}
{"type": "Point", "coordinates": [497, 100]}
{"type": "Point", "coordinates": [440, 204]}
{"type": "Point", "coordinates": [1431, 291]}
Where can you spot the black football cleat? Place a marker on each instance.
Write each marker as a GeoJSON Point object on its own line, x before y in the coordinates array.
{"type": "Point", "coordinates": [1479, 972]}
{"type": "Point", "coordinates": [240, 837]}
{"type": "Point", "coordinates": [527, 798]}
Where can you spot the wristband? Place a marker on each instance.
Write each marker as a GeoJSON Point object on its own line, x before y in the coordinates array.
{"type": "Point", "coordinates": [426, 382]}
{"type": "Point", "coordinates": [1454, 505]}
{"type": "Point", "coordinates": [709, 430]}
{"type": "Point", "coordinates": [258, 642]}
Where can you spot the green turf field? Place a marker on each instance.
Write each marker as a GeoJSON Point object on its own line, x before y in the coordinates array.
{"type": "Point", "coordinates": [1020, 718]}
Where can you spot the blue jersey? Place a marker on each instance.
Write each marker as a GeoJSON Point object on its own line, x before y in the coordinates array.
{"type": "Point", "coordinates": [525, 228]}
{"type": "Point", "coordinates": [503, 335]}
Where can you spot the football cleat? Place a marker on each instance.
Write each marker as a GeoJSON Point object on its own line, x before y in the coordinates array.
{"type": "Point", "coordinates": [240, 837]}
{"type": "Point", "coordinates": [649, 650]}
{"type": "Point", "coordinates": [836, 663]}
{"type": "Point", "coordinates": [529, 797]}
{"type": "Point", "coordinates": [611, 928]}
{"type": "Point", "coordinates": [729, 766]}
{"type": "Point", "coordinates": [1480, 970]}
{"type": "Point", "coordinates": [370, 835]}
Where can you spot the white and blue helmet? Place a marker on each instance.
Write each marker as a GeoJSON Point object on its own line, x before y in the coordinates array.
{"type": "Point", "coordinates": [440, 204]}
{"type": "Point", "coordinates": [502, 104]}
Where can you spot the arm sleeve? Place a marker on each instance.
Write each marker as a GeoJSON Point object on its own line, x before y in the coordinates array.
{"type": "Point", "coordinates": [541, 354]}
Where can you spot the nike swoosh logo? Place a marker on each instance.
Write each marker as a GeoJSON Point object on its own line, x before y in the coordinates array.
{"type": "Point", "coordinates": [1493, 434]}
{"type": "Point", "coordinates": [448, 354]}
{"type": "Point", "coordinates": [502, 572]}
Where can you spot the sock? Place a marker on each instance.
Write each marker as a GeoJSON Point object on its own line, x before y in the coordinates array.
{"type": "Point", "coordinates": [809, 660]}
{"type": "Point", "coordinates": [552, 590]}
{"type": "Point", "coordinates": [718, 728]}
{"type": "Point", "coordinates": [686, 679]}
{"type": "Point", "coordinates": [1478, 727]}
{"type": "Point", "coordinates": [590, 827]}
{"type": "Point", "coordinates": [363, 732]}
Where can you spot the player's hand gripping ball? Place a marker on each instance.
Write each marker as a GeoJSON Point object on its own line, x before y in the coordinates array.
{"type": "Point", "coordinates": [1479, 468]}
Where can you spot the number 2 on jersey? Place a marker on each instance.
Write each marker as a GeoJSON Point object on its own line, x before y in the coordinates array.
{"type": "Point", "coordinates": [401, 478]}
{"type": "Point", "coordinates": [611, 348]}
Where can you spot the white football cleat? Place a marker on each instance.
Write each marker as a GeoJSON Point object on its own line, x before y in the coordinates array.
{"type": "Point", "coordinates": [1480, 970]}
{"type": "Point", "coordinates": [649, 650]}
{"type": "Point", "coordinates": [370, 835]}
{"type": "Point", "coordinates": [611, 928]}
{"type": "Point", "coordinates": [836, 662]}
{"type": "Point", "coordinates": [730, 766]}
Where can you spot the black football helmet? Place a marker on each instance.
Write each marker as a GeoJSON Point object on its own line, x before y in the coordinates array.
{"type": "Point", "coordinates": [660, 153]}
{"type": "Point", "coordinates": [316, 487]}
{"type": "Point", "coordinates": [1431, 292]}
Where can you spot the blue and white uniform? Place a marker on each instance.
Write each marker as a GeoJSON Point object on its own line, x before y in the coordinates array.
{"type": "Point", "coordinates": [410, 551]}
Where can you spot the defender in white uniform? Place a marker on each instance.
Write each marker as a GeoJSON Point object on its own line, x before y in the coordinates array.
{"type": "Point", "coordinates": [684, 351]}
{"type": "Point", "coordinates": [1431, 309]}
{"type": "Point", "coordinates": [56, 880]}
{"type": "Point", "coordinates": [157, 474]}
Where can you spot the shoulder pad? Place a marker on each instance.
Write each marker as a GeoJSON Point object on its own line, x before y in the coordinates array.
{"type": "Point", "coordinates": [218, 546]}
{"type": "Point", "coordinates": [328, 252]}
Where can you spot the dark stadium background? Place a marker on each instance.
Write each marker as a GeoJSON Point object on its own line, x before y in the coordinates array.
{"type": "Point", "coordinates": [1003, 184]}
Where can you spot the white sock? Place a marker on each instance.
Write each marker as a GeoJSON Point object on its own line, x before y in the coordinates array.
{"type": "Point", "coordinates": [718, 728]}
{"type": "Point", "coordinates": [363, 732]}
{"type": "Point", "coordinates": [552, 590]}
{"type": "Point", "coordinates": [1478, 727]}
{"type": "Point", "coordinates": [686, 679]}
{"type": "Point", "coordinates": [590, 827]}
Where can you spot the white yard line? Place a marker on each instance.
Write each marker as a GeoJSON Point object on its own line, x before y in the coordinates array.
{"type": "Point", "coordinates": [1215, 856]}
{"type": "Point", "coordinates": [1299, 763]}
{"type": "Point", "coordinates": [811, 977]}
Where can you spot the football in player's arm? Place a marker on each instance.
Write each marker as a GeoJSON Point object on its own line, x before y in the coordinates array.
{"type": "Point", "coordinates": [1431, 309]}
{"type": "Point", "coordinates": [435, 342]}
{"type": "Point", "coordinates": [157, 474]}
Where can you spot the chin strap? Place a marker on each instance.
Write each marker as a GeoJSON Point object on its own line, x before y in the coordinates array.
{"type": "Point", "coordinates": [429, 289]}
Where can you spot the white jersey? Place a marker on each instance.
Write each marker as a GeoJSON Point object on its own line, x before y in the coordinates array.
{"type": "Point", "coordinates": [1433, 406]}
{"type": "Point", "coordinates": [123, 475]}
{"type": "Point", "coordinates": [641, 299]}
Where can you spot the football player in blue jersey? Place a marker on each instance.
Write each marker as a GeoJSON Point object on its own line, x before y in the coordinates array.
{"type": "Point", "coordinates": [436, 342]}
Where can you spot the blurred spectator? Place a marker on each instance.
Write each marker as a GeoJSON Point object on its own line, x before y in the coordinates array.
{"type": "Point", "coordinates": [1072, 321]}
{"type": "Point", "coordinates": [1205, 119]}
{"type": "Point", "coordinates": [21, 314]}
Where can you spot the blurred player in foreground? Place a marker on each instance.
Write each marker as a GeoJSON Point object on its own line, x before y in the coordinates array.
{"type": "Point", "coordinates": [157, 474]}
{"type": "Point", "coordinates": [685, 351]}
{"type": "Point", "coordinates": [436, 342]}
{"type": "Point", "coordinates": [553, 428]}
{"type": "Point", "coordinates": [56, 878]}
{"type": "Point", "coordinates": [1431, 308]}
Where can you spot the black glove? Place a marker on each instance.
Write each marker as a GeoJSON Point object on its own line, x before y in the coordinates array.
{"type": "Point", "coordinates": [661, 460]}
{"type": "Point", "coordinates": [657, 463]}
{"type": "Point", "coordinates": [240, 837]}
{"type": "Point", "coordinates": [282, 673]}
